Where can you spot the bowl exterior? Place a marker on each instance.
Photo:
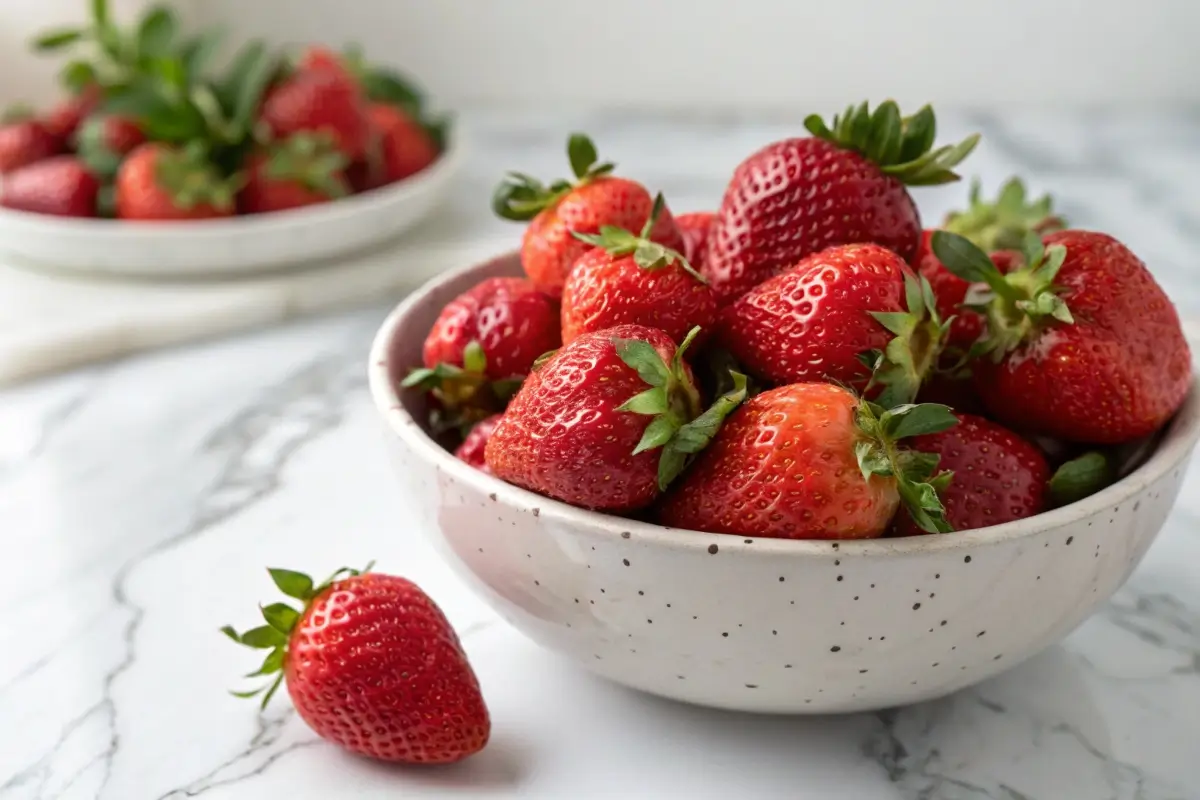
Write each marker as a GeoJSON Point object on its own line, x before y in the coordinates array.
{"type": "Point", "coordinates": [757, 624]}
{"type": "Point", "coordinates": [230, 247]}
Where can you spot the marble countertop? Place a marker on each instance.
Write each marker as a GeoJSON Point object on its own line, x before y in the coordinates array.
{"type": "Point", "coordinates": [140, 501]}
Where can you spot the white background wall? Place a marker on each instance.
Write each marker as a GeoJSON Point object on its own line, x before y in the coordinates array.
{"type": "Point", "coordinates": [722, 54]}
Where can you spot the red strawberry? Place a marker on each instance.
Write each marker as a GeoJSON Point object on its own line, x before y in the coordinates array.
{"type": "Point", "coordinates": [629, 279]}
{"type": "Point", "coordinates": [60, 186]}
{"type": "Point", "coordinates": [607, 422]}
{"type": "Point", "coordinates": [302, 170]}
{"type": "Point", "coordinates": [161, 182]}
{"type": "Point", "coordinates": [64, 119]}
{"type": "Point", "coordinates": [405, 146]}
{"type": "Point", "coordinates": [1085, 345]}
{"type": "Point", "coordinates": [319, 101]}
{"type": "Point", "coordinates": [372, 665]}
{"type": "Point", "coordinates": [995, 475]}
{"type": "Point", "coordinates": [482, 345]}
{"type": "Point", "coordinates": [24, 143]}
{"type": "Point", "coordinates": [549, 250]}
{"type": "Point", "coordinates": [841, 186]}
{"type": "Point", "coordinates": [810, 461]}
{"type": "Point", "coordinates": [472, 448]}
{"type": "Point", "coordinates": [318, 58]}
{"type": "Point", "coordinates": [104, 141]}
{"type": "Point", "coordinates": [695, 228]}
{"type": "Point", "coordinates": [815, 321]}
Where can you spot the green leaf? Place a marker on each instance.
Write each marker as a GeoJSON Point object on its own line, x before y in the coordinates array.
{"type": "Point", "coordinates": [582, 154]}
{"type": "Point", "coordinates": [281, 617]}
{"type": "Point", "coordinates": [652, 401]}
{"type": "Point", "coordinates": [817, 127]}
{"type": "Point", "coordinates": [271, 664]}
{"type": "Point", "coordinates": [421, 376]}
{"type": "Point", "coordinates": [111, 42]}
{"type": "Point", "coordinates": [960, 255]}
{"type": "Point", "coordinates": [670, 465]}
{"type": "Point", "coordinates": [695, 435]}
{"type": "Point", "coordinates": [1081, 477]}
{"type": "Point", "coordinates": [248, 693]}
{"type": "Point", "coordinates": [886, 133]}
{"type": "Point", "coordinates": [156, 33]}
{"type": "Point", "coordinates": [900, 323]}
{"type": "Point", "coordinates": [57, 39]}
{"type": "Point", "coordinates": [77, 75]}
{"type": "Point", "coordinates": [231, 633]}
{"type": "Point", "coordinates": [392, 88]}
{"type": "Point", "coordinates": [657, 433]}
{"type": "Point", "coordinates": [293, 584]}
{"type": "Point", "coordinates": [641, 356]}
{"type": "Point", "coordinates": [651, 256]}
{"type": "Point", "coordinates": [923, 504]}
{"type": "Point", "coordinates": [172, 72]}
{"type": "Point", "coordinates": [920, 130]}
{"type": "Point", "coordinates": [198, 52]}
{"type": "Point", "coordinates": [872, 459]}
{"type": "Point", "coordinates": [918, 420]}
{"type": "Point", "coordinates": [100, 14]}
{"type": "Point", "coordinates": [264, 637]}
{"type": "Point", "coordinates": [251, 85]}
{"type": "Point", "coordinates": [474, 359]}
{"type": "Point", "coordinates": [271, 692]}
{"type": "Point", "coordinates": [917, 466]}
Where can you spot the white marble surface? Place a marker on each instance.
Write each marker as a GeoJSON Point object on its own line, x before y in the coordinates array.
{"type": "Point", "coordinates": [139, 502]}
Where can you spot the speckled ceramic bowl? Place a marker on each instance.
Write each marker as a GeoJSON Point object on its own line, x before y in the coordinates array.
{"type": "Point", "coordinates": [760, 624]}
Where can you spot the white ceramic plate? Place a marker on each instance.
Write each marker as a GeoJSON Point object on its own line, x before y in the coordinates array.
{"type": "Point", "coordinates": [227, 247]}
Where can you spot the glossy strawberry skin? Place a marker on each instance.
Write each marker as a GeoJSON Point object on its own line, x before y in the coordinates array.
{"type": "Point", "coordinates": [140, 196]}
{"type": "Point", "coordinates": [64, 119]}
{"type": "Point", "coordinates": [998, 476]}
{"type": "Point", "coordinates": [60, 186]}
{"type": "Point", "coordinates": [25, 143]}
{"type": "Point", "coordinates": [811, 322]}
{"type": "Point", "coordinates": [321, 101]}
{"type": "Point", "coordinates": [797, 197]}
{"type": "Point", "coordinates": [472, 449]}
{"type": "Point", "coordinates": [405, 148]}
{"type": "Point", "coordinates": [783, 466]}
{"type": "Point", "coordinates": [562, 435]}
{"type": "Point", "coordinates": [374, 666]}
{"type": "Point", "coordinates": [548, 250]}
{"type": "Point", "coordinates": [695, 228]}
{"type": "Point", "coordinates": [263, 193]}
{"type": "Point", "coordinates": [513, 322]}
{"type": "Point", "coordinates": [1118, 373]}
{"type": "Point", "coordinates": [604, 291]}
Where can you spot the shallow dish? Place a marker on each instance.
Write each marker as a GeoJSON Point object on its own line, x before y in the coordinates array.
{"type": "Point", "coordinates": [766, 625]}
{"type": "Point", "coordinates": [228, 247]}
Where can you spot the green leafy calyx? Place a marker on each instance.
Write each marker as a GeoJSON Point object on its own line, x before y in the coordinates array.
{"type": "Point", "coordinates": [310, 159]}
{"type": "Point", "coordinates": [1017, 304]}
{"type": "Point", "coordinates": [188, 175]}
{"type": "Point", "coordinates": [464, 395]}
{"type": "Point", "coordinates": [912, 355]}
{"type": "Point", "coordinates": [678, 427]}
{"type": "Point", "coordinates": [281, 620]}
{"type": "Point", "coordinates": [647, 254]}
{"type": "Point", "coordinates": [901, 146]}
{"type": "Point", "coordinates": [1004, 224]}
{"type": "Point", "coordinates": [1081, 477]}
{"type": "Point", "coordinates": [917, 479]}
{"type": "Point", "coordinates": [522, 197]}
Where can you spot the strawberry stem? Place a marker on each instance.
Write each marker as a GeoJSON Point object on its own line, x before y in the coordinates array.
{"type": "Point", "coordinates": [520, 197]}
{"type": "Point", "coordinates": [647, 254]}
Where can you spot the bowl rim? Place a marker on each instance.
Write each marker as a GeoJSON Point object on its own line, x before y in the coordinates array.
{"type": "Point", "coordinates": [1182, 432]}
{"type": "Point", "coordinates": [380, 198]}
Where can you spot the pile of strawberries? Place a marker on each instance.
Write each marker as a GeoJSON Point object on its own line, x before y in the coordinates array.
{"type": "Point", "coordinates": [805, 362]}
{"type": "Point", "coordinates": [149, 133]}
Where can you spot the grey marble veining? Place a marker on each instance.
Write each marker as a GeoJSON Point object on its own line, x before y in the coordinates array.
{"type": "Point", "coordinates": [140, 500]}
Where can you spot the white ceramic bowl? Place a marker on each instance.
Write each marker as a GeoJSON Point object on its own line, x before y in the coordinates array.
{"type": "Point", "coordinates": [228, 247]}
{"type": "Point", "coordinates": [766, 625]}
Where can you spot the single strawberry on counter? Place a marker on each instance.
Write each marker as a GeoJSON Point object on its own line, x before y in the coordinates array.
{"type": "Point", "coordinates": [162, 182]}
{"type": "Point", "coordinates": [993, 475]}
{"type": "Point", "coordinates": [472, 449]}
{"type": "Point", "coordinates": [607, 422]}
{"type": "Point", "coordinates": [482, 346]}
{"type": "Point", "coordinates": [24, 142]}
{"type": "Point", "coordinates": [1083, 344]}
{"type": "Point", "coordinates": [557, 211]}
{"type": "Point", "coordinates": [302, 170]}
{"type": "Point", "coordinates": [695, 227]}
{"type": "Point", "coordinates": [61, 186]}
{"type": "Point", "coordinates": [628, 278]}
{"type": "Point", "coordinates": [319, 101]}
{"type": "Point", "coordinates": [371, 664]}
{"type": "Point", "coordinates": [811, 461]}
{"type": "Point", "coordinates": [814, 323]}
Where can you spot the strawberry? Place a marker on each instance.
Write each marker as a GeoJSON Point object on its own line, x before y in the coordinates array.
{"type": "Point", "coordinates": [372, 665]}
{"type": "Point", "coordinates": [695, 228]}
{"type": "Point", "coordinates": [405, 147]}
{"type": "Point", "coordinates": [549, 250]}
{"type": "Point", "coordinates": [64, 119]}
{"type": "Point", "coordinates": [815, 321]}
{"type": "Point", "coordinates": [841, 186]}
{"type": "Point", "coordinates": [629, 279]}
{"type": "Point", "coordinates": [319, 101]}
{"type": "Point", "coordinates": [482, 346]}
{"type": "Point", "coordinates": [995, 475]}
{"type": "Point", "coordinates": [104, 141]}
{"type": "Point", "coordinates": [160, 182]}
{"type": "Point", "coordinates": [25, 142]}
{"type": "Point", "coordinates": [60, 186]}
{"type": "Point", "coordinates": [473, 446]}
{"type": "Point", "coordinates": [316, 58]}
{"type": "Point", "coordinates": [607, 422]}
{"type": "Point", "coordinates": [810, 461]}
{"type": "Point", "coordinates": [302, 170]}
{"type": "Point", "coordinates": [1083, 344]}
